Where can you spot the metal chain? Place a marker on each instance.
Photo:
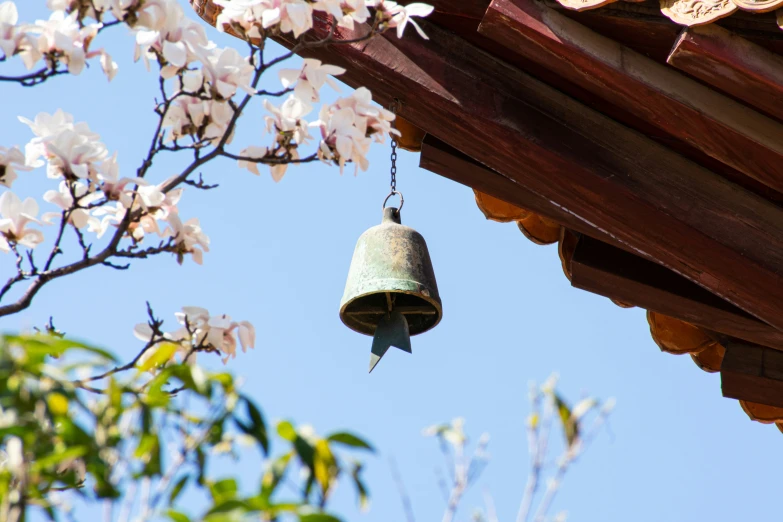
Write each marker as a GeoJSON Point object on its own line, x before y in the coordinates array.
{"type": "Point", "coordinates": [393, 183]}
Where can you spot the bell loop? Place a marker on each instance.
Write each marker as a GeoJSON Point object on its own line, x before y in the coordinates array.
{"type": "Point", "coordinates": [393, 193]}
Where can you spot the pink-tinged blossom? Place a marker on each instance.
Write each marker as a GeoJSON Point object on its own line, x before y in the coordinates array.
{"type": "Point", "coordinates": [189, 237]}
{"type": "Point", "coordinates": [106, 216]}
{"type": "Point", "coordinates": [226, 71]}
{"type": "Point", "coordinates": [287, 121]}
{"type": "Point", "coordinates": [252, 16]}
{"type": "Point", "coordinates": [71, 196]}
{"type": "Point", "coordinates": [71, 149]}
{"type": "Point", "coordinates": [346, 12]}
{"type": "Point", "coordinates": [349, 125]}
{"type": "Point", "coordinates": [202, 330]}
{"type": "Point", "coordinates": [16, 216]}
{"type": "Point", "coordinates": [309, 80]}
{"type": "Point", "coordinates": [93, 8]}
{"type": "Point", "coordinates": [205, 120]}
{"type": "Point", "coordinates": [11, 160]}
{"type": "Point", "coordinates": [62, 39]}
{"type": "Point", "coordinates": [400, 16]}
{"type": "Point", "coordinates": [11, 35]}
{"type": "Point", "coordinates": [163, 31]}
{"type": "Point", "coordinates": [112, 185]}
{"type": "Point", "coordinates": [253, 152]}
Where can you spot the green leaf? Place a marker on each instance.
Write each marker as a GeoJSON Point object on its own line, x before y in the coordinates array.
{"type": "Point", "coordinates": [257, 426]}
{"type": "Point", "coordinates": [222, 490]}
{"type": "Point", "coordinates": [57, 458]}
{"type": "Point", "coordinates": [227, 506]}
{"type": "Point", "coordinates": [162, 353]}
{"type": "Point", "coordinates": [55, 346]}
{"type": "Point", "coordinates": [176, 516]}
{"type": "Point", "coordinates": [361, 488]}
{"type": "Point", "coordinates": [324, 466]}
{"type": "Point", "coordinates": [570, 426]}
{"type": "Point", "coordinates": [349, 439]}
{"type": "Point", "coordinates": [286, 430]}
{"type": "Point", "coordinates": [274, 474]}
{"type": "Point", "coordinates": [177, 489]}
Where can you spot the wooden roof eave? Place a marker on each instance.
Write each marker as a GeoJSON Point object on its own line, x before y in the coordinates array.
{"type": "Point", "coordinates": [605, 178]}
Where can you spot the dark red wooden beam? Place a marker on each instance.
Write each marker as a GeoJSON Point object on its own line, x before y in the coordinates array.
{"type": "Point", "coordinates": [606, 270]}
{"type": "Point", "coordinates": [648, 199]}
{"type": "Point", "coordinates": [685, 109]}
{"type": "Point", "coordinates": [733, 65]}
{"type": "Point", "coordinates": [752, 373]}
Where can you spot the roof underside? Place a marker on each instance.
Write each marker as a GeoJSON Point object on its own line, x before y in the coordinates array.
{"type": "Point", "coordinates": [651, 152]}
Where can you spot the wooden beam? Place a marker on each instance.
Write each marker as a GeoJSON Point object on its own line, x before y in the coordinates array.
{"type": "Point", "coordinates": [733, 65]}
{"type": "Point", "coordinates": [652, 201]}
{"type": "Point", "coordinates": [685, 109]}
{"type": "Point", "coordinates": [752, 373]}
{"type": "Point", "coordinates": [606, 270]}
{"type": "Point", "coordinates": [440, 158]}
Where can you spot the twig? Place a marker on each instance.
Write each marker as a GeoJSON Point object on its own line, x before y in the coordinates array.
{"type": "Point", "coordinates": [404, 498]}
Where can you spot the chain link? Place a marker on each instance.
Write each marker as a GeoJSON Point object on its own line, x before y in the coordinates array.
{"type": "Point", "coordinates": [393, 183]}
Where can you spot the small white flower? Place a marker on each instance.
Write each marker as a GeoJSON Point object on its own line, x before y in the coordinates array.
{"type": "Point", "coordinates": [188, 236]}
{"type": "Point", "coordinates": [252, 152]}
{"type": "Point", "coordinates": [11, 160]}
{"type": "Point", "coordinates": [308, 80]}
{"type": "Point", "coordinates": [226, 70]}
{"type": "Point", "coordinates": [64, 198]}
{"type": "Point", "coordinates": [16, 216]}
{"type": "Point", "coordinates": [399, 16]}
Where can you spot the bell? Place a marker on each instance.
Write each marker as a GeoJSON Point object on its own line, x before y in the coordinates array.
{"type": "Point", "coordinates": [391, 291]}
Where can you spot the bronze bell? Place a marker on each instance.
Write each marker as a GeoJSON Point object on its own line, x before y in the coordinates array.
{"type": "Point", "coordinates": [391, 291]}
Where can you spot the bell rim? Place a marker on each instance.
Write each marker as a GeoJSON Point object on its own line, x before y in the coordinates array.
{"type": "Point", "coordinates": [434, 302]}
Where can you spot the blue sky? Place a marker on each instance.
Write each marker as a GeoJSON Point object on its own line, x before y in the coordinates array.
{"type": "Point", "coordinates": [676, 450]}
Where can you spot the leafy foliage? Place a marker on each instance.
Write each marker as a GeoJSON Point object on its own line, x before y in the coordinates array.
{"type": "Point", "coordinates": [157, 428]}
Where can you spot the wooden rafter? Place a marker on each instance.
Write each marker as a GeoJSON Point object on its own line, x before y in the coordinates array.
{"type": "Point", "coordinates": [718, 126]}
{"type": "Point", "coordinates": [733, 65]}
{"type": "Point", "coordinates": [605, 270]}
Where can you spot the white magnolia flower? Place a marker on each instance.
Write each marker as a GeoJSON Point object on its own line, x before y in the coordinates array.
{"type": "Point", "coordinates": [226, 70]}
{"type": "Point", "coordinates": [346, 12]}
{"type": "Point", "coordinates": [112, 185]}
{"type": "Point", "coordinates": [11, 35]}
{"type": "Point", "coordinates": [400, 15]}
{"type": "Point", "coordinates": [11, 160]}
{"type": "Point", "coordinates": [71, 148]}
{"type": "Point", "coordinates": [342, 140]}
{"type": "Point", "coordinates": [349, 125]}
{"type": "Point", "coordinates": [64, 198]}
{"type": "Point", "coordinates": [252, 152]}
{"type": "Point", "coordinates": [164, 32]}
{"type": "Point", "coordinates": [287, 121]}
{"type": "Point", "coordinates": [309, 80]}
{"type": "Point", "coordinates": [200, 119]}
{"type": "Point", "coordinates": [189, 237]}
{"type": "Point", "coordinates": [106, 216]}
{"type": "Point", "coordinates": [92, 8]}
{"type": "Point", "coordinates": [202, 330]}
{"type": "Point", "coordinates": [71, 154]}
{"type": "Point", "coordinates": [62, 38]}
{"type": "Point", "coordinates": [253, 15]}
{"type": "Point", "coordinates": [16, 216]}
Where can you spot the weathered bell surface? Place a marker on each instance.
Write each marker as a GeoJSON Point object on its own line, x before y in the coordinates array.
{"type": "Point", "coordinates": [390, 276]}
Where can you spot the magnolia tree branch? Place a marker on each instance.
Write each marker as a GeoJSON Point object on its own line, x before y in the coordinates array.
{"type": "Point", "coordinates": [113, 249]}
